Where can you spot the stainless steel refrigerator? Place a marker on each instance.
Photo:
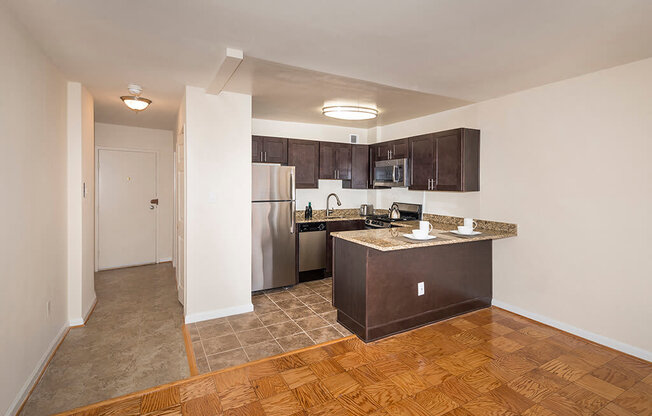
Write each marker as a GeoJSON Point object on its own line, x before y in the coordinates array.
{"type": "Point", "coordinates": [273, 243]}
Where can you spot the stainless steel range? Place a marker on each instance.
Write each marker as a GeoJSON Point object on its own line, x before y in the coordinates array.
{"type": "Point", "coordinates": [399, 211]}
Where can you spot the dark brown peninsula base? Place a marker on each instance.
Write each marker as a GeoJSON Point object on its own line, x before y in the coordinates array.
{"type": "Point", "coordinates": [375, 292]}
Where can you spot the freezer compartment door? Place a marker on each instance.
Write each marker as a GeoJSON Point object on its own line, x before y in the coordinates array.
{"type": "Point", "coordinates": [272, 183]}
{"type": "Point", "coordinates": [273, 245]}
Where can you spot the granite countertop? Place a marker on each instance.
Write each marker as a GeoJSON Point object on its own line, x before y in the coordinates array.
{"type": "Point", "coordinates": [319, 215]}
{"type": "Point", "coordinates": [389, 239]}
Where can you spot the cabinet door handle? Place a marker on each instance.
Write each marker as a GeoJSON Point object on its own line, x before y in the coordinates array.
{"type": "Point", "coordinates": [261, 156]}
{"type": "Point", "coordinates": [265, 156]}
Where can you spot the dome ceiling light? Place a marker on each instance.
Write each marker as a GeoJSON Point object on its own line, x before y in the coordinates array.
{"type": "Point", "coordinates": [349, 112]}
{"type": "Point", "coordinates": [134, 101]}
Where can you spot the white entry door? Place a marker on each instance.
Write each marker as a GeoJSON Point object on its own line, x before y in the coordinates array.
{"type": "Point", "coordinates": [127, 217]}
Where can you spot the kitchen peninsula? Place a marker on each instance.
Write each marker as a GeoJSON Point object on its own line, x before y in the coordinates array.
{"type": "Point", "coordinates": [376, 275]}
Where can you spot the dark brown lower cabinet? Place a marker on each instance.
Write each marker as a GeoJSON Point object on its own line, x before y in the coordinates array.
{"type": "Point", "coordinates": [334, 226]}
{"type": "Point", "coordinates": [304, 156]}
{"type": "Point", "coordinates": [375, 292]}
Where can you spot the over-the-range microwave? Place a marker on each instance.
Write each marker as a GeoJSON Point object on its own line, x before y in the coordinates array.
{"type": "Point", "coordinates": [391, 173]}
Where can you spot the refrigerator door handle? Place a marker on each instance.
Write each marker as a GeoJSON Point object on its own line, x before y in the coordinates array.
{"type": "Point", "coordinates": [293, 218]}
{"type": "Point", "coordinates": [293, 191]}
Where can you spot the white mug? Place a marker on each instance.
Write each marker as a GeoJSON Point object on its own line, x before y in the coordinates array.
{"type": "Point", "coordinates": [425, 226]}
{"type": "Point", "coordinates": [468, 222]}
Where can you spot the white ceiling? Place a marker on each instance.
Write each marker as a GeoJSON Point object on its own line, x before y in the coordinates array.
{"type": "Point", "coordinates": [288, 93]}
{"type": "Point", "coordinates": [466, 49]}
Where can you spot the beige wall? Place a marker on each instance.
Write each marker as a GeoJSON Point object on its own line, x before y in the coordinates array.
{"type": "Point", "coordinates": [81, 208]}
{"type": "Point", "coordinates": [33, 209]}
{"type": "Point", "coordinates": [218, 186]}
{"type": "Point", "coordinates": [350, 198]}
{"type": "Point", "coordinates": [570, 164]}
{"type": "Point", "coordinates": [127, 137]}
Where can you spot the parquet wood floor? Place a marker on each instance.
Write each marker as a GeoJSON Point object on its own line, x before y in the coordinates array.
{"type": "Point", "coordinates": [490, 362]}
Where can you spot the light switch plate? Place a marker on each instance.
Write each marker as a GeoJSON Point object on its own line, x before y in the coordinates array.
{"type": "Point", "coordinates": [421, 289]}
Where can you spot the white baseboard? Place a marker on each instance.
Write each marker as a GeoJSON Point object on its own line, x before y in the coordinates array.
{"type": "Point", "coordinates": [31, 380]}
{"type": "Point", "coordinates": [599, 339]}
{"type": "Point", "coordinates": [165, 260]}
{"type": "Point", "coordinates": [82, 321]}
{"type": "Point", "coordinates": [219, 313]}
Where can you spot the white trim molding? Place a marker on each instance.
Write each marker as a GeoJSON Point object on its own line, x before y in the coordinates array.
{"type": "Point", "coordinates": [165, 260]}
{"type": "Point", "coordinates": [82, 321]}
{"type": "Point", "coordinates": [599, 339]}
{"type": "Point", "coordinates": [24, 392]}
{"type": "Point", "coordinates": [219, 313]}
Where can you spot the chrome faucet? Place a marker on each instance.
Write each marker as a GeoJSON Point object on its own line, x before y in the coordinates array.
{"type": "Point", "coordinates": [329, 211]}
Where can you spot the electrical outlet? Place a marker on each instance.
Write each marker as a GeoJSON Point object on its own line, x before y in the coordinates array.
{"type": "Point", "coordinates": [421, 289]}
{"type": "Point", "coordinates": [48, 308]}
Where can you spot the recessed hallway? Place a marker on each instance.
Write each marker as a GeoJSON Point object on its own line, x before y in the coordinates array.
{"type": "Point", "coordinates": [132, 341]}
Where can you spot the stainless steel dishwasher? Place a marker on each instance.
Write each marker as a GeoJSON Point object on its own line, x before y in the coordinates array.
{"type": "Point", "coordinates": [312, 248]}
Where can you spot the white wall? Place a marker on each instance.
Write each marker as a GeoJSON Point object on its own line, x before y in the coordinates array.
{"type": "Point", "coordinates": [127, 137]}
{"type": "Point", "coordinates": [569, 163]}
{"type": "Point", "coordinates": [218, 187]}
{"type": "Point", "coordinates": [33, 185]}
{"type": "Point", "coordinates": [81, 208]}
{"type": "Point", "coordinates": [350, 198]}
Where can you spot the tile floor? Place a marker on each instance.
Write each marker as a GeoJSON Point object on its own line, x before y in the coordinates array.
{"type": "Point", "coordinates": [283, 320]}
{"type": "Point", "coordinates": [489, 362]}
{"type": "Point", "coordinates": [132, 341]}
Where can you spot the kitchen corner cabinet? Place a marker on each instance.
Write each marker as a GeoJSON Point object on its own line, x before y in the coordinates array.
{"type": "Point", "coordinates": [269, 149]}
{"type": "Point", "coordinates": [334, 160]}
{"type": "Point", "coordinates": [304, 156]}
{"type": "Point", "coordinates": [446, 161]}
{"type": "Point", "coordinates": [359, 167]}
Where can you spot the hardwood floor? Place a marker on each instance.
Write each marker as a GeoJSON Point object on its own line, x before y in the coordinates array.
{"type": "Point", "coordinates": [489, 362]}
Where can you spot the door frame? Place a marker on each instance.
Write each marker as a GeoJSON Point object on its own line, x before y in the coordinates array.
{"type": "Point", "coordinates": [97, 198]}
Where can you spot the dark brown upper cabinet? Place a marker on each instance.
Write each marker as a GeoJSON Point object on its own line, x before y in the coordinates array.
{"type": "Point", "coordinates": [446, 161]}
{"type": "Point", "coordinates": [304, 156]}
{"type": "Point", "coordinates": [422, 162]}
{"type": "Point", "coordinates": [334, 160]}
{"type": "Point", "coordinates": [359, 167]}
{"type": "Point", "coordinates": [269, 149]}
{"type": "Point", "coordinates": [395, 149]}
{"type": "Point", "coordinates": [399, 149]}
{"type": "Point", "coordinates": [256, 149]}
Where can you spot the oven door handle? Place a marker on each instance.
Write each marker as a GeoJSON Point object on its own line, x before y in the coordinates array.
{"type": "Point", "coordinates": [394, 170]}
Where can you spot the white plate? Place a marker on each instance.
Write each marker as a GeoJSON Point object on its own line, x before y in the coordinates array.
{"type": "Point", "coordinates": [412, 237]}
{"type": "Point", "coordinates": [466, 235]}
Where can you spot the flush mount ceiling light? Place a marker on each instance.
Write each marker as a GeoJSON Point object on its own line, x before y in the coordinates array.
{"type": "Point", "coordinates": [348, 112]}
{"type": "Point", "coordinates": [135, 101]}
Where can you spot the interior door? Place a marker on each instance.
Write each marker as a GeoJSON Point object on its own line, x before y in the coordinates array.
{"type": "Point", "coordinates": [180, 215]}
{"type": "Point", "coordinates": [126, 216]}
